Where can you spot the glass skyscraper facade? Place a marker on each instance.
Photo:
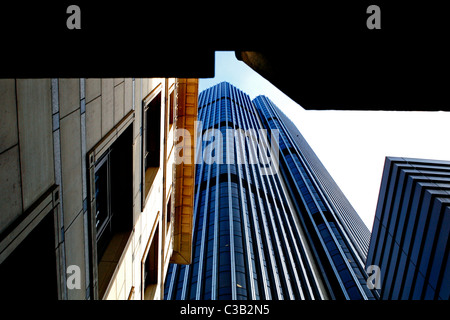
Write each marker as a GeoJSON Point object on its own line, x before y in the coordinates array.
{"type": "Point", "coordinates": [410, 239]}
{"type": "Point", "coordinates": [275, 228]}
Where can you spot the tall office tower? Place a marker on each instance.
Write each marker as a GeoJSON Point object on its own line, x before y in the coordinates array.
{"type": "Point", "coordinates": [269, 222]}
{"type": "Point", "coordinates": [410, 239]}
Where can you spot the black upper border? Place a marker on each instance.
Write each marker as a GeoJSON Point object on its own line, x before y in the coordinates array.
{"type": "Point", "coordinates": [178, 39]}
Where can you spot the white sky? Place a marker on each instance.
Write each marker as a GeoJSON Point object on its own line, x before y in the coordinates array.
{"type": "Point", "coordinates": [352, 145]}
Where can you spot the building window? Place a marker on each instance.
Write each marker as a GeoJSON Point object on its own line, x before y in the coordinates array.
{"type": "Point", "coordinates": [103, 205]}
{"type": "Point", "coordinates": [171, 108]}
{"type": "Point", "coordinates": [32, 265]}
{"type": "Point", "coordinates": [168, 213]}
{"type": "Point", "coordinates": [151, 142]}
{"type": "Point", "coordinates": [150, 268]}
{"type": "Point", "coordinates": [113, 210]}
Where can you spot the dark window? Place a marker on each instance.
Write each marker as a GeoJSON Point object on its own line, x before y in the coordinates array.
{"type": "Point", "coordinates": [150, 276]}
{"type": "Point", "coordinates": [31, 265]}
{"type": "Point", "coordinates": [102, 203]}
{"type": "Point", "coordinates": [171, 106]}
{"type": "Point", "coordinates": [151, 142]}
{"type": "Point", "coordinates": [113, 176]}
{"type": "Point", "coordinates": [153, 132]}
{"type": "Point", "coordinates": [169, 213]}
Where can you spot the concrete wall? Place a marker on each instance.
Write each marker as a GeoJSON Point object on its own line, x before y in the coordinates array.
{"type": "Point", "coordinates": [48, 128]}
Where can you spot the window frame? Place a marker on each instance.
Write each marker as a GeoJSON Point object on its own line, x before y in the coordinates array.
{"type": "Point", "coordinates": [146, 102]}
{"type": "Point", "coordinates": [94, 157]}
{"type": "Point", "coordinates": [104, 160]}
{"type": "Point", "coordinates": [152, 248]}
{"type": "Point", "coordinates": [11, 239]}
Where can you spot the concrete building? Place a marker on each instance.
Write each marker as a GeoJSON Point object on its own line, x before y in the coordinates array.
{"type": "Point", "coordinates": [92, 204]}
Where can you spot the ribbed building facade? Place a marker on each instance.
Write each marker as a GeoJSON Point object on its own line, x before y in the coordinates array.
{"type": "Point", "coordinates": [410, 239]}
{"type": "Point", "coordinates": [279, 228]}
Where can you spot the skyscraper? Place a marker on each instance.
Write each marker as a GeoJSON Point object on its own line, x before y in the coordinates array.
{"type": "Point", "coordinates": [269, 221]}
{"type": "Point", "coordinates": [411, 230]}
